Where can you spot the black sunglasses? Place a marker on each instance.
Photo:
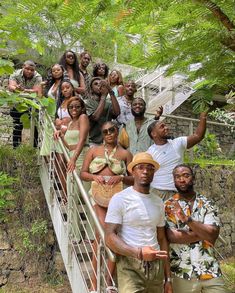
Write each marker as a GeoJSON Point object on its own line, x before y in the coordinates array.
{"type": "Point", "coordinates": [70, 107]}
{"type": "Point", "coordinates": [110, 130]}
{"type": "Point", "coordinates": [70, 56]}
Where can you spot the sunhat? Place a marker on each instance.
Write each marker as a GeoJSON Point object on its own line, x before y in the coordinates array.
{"type": "Point", "coordinates": [142, 158]}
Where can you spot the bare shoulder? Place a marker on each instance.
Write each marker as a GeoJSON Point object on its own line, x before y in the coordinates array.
{"type": "Point", "coordinates": [83, 117]}
{"type": "Point", "coordinates": [125, 154]}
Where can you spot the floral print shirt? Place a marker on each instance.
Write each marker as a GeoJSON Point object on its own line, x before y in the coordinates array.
{"type": "Point", "coordinates": [125, 108]}
{"type": "Point", "coordinates": [194, 260]}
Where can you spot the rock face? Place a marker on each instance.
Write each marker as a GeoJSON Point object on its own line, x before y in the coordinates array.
{"type": "Point", "coordinates": [218, 184]}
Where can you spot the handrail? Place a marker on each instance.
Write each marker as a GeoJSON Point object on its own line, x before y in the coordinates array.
{"type": "Point", "coordinates": [85, 197]}
{"type": "Point", "coordinates": [156, 77]}
{"type": "Point", "coordinates": [190, 119]}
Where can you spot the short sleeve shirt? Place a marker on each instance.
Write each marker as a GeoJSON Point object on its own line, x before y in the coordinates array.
{"type": "Point", "coordinates": [168, 156]}
{"type": "Point", "coordinates": [139, 216]}
{"type": "Point", "coordinates": [95, 135]}
{"type": "Point", "coordinates": [125, 108]}
{"type": "Point", "coordinates": [195, 259]}
{"type": "Point", "coordinates": [26, 83]}
{"type": "Point", "coordinates": [138, 141]}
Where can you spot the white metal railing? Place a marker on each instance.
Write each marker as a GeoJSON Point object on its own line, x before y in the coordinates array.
{"type": "Point", "coordinates": [160, 90]}
{"type": "Point", "coordinates": [74, 221]}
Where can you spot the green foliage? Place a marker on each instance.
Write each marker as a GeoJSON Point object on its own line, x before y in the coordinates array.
{"type": "Point", "coordinates": [202, 100]}
{"type": "Point", "coordinates": [6, 199]}
{"type": "Point", "coordinates": [26, 102]}
{"type": "Point", "coordinates": [208, 148]}
{"type": "Point", "coordinates": [224, 117]}
{"type": "Point", "coordinates": [33, 237]}
{"type": "Point", "coordinates": [28, 212]}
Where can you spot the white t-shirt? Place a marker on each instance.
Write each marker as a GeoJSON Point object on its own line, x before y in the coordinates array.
{"type": "Point", "coordinates": [168, 155]}
{"type": "Point", "coordinates": [139, 215]}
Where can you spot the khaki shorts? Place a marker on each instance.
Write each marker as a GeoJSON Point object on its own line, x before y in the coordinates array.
{"type": "Point", "coordinates": [215, 285]}
{"type": "Point", "coordinates": [136, 276]}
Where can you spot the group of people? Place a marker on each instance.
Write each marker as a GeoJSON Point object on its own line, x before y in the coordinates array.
{"type": "Point", "coordinates": [112, 144]}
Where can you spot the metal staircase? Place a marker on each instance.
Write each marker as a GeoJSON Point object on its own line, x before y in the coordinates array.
{"type": "Point", "coordinates": [157, 89]}
{"type": "Point", "coordinates": [74, 221]}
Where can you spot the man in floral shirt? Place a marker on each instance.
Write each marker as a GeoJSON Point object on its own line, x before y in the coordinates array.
{"type": "Point", "coordinates": [192, 229]}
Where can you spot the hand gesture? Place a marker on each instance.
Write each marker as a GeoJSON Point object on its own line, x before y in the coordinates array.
{"type": "Point", "coordinates": [114, 180]}
{"type": "Point", "coordinates": [104, 88]}
{"type": "Point", "coordinates": [179, 213]}
{"type": "Point", "coordinates": [99, 179]}
{"type": "Point", "coordinates": [150, 254]}
{"type": "Point", "coordinates": [159, 112]}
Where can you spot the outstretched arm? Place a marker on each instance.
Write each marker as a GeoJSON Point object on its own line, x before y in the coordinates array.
{"type": "Point", "coordinates": [117, 245]}
{"type": "Point", "coordinates": [199, 133]}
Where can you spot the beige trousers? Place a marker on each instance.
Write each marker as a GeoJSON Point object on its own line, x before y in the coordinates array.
{"type": "Point", "coordinates": [215, 285]}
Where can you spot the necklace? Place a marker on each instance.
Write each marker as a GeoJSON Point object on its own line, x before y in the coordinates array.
{"type": "Point", "coordinates": [191, 199]}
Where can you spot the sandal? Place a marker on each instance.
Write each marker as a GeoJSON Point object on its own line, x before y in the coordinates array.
{"type": "Point", "coordinates": [111, 289]}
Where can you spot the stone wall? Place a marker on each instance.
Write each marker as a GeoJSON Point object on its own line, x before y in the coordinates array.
{"type": "Point", "coordinates": [218, 184]}
{"type": "Point", "coordinates": [17, 265]}
{"type": "Point", "coordinates": [181, 127]}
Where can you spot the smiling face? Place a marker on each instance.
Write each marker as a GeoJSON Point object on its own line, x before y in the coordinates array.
{"type": "Point", "coordinates": [110, 133]}
{"type": "Point", "coordinates": [85, 60]}
{"type": "Point", "coordinates": [138, 107]}
{"type": "Point", "coordinates": [130, 88]}
{"type": "Point", "coordinates": [56, 71]}
{"type": "Point", "coordinates": [66, 89]}
{"type": "Point", "coordinates": [114, 77]}
{"type": "Point", "coordinates": [75, 107]}
{"type": "Point", "coordinates": [183, 179]}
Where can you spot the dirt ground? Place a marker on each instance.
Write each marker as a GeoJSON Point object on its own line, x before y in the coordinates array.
{"type": "Point", "coordinates": [36, 286]}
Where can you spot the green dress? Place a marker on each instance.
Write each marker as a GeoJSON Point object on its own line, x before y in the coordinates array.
{"type": "Point", "coordinates": [72, 138]}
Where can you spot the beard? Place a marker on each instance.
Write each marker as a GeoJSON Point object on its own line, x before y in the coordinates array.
{"type": "Point", "coordinates": [188, 188]}
{"type": "Point", "coordinates": [138, 114]}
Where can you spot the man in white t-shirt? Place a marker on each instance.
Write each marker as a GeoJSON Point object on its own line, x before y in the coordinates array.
{"type": "Point", "coordinates": [135, 230]}
{"type": "Point", "coordinates": [170, 153]}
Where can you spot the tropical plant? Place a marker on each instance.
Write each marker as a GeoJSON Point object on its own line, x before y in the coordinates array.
{"type": "Point", "coordinates": [208, 148]}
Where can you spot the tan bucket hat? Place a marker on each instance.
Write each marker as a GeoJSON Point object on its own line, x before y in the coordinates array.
{"type": "Point", "coordinates": [142, 158]}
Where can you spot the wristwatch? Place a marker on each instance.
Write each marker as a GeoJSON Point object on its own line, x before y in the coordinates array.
{"type": "Point", "coordinates": [169, 280]}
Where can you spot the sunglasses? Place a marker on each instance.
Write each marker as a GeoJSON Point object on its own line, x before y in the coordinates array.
{"type": "Point", "coordinates": [71, 107]}
{"type": "Point", "coordinates": [110, 130]}
{"type": "Point", "coordinates": [70, 56]}
{"type": "Point", "coordinates": [144, 167]}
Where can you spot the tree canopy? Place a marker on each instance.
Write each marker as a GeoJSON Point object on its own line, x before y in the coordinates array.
{"type": "Point", "coordinates": [148, 34]}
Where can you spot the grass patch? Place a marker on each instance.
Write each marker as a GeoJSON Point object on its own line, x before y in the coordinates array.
{"type": "Point", "coordinates": [228, 269]}
{"type": "Point", "coordinates": [206, 162]}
